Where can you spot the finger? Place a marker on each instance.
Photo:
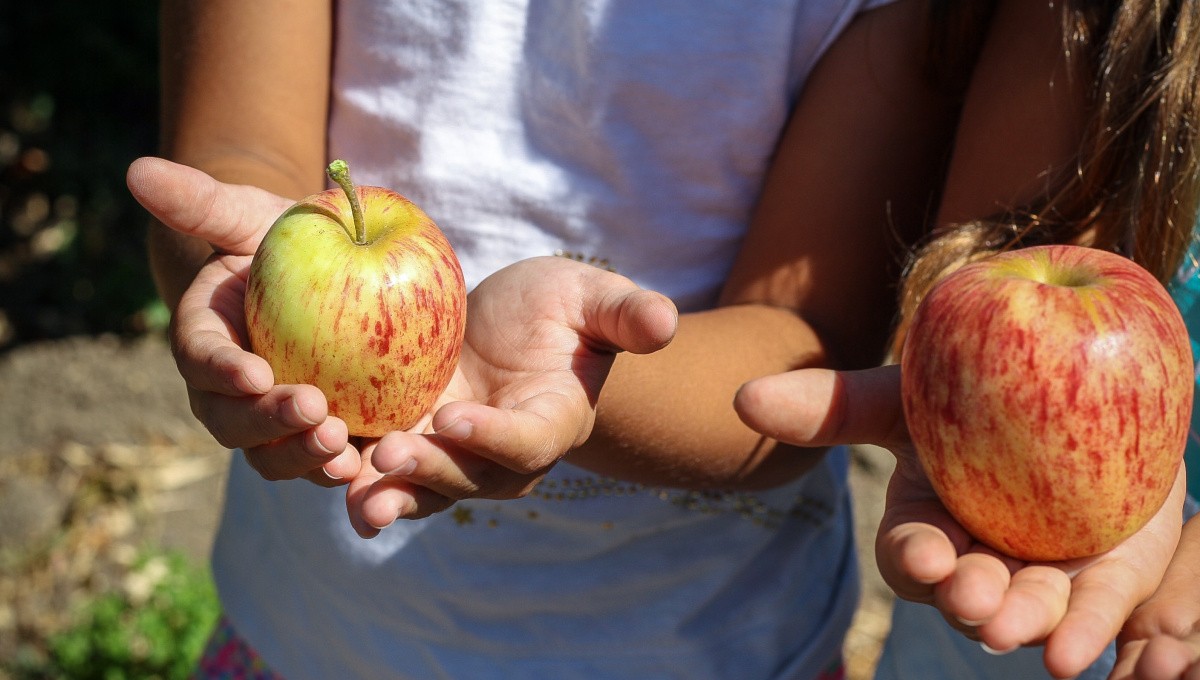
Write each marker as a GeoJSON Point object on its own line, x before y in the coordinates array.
{"type": "Point", "coordinates": [527, 438]}
{"type": "Point", "coordinates": [448, 470]}
{"type": "Point", "coordinates": [375, 501]}
{"type": "Point", "coordinates": [913, 557]}
{"type": "Point", "coordinates": [1170, 612]}
{"type": "Point", "coordinates": [821, 407]}
{"type": "Point", "coordinates": [338, 471]}
{"type": "Point", "coordinates": [975, 592]}
{"type": "Point", "coordinates": [1033, 606]}
{"type": "Point", "coordinates": [230, 217]}
{"type": "Point", "coordinates": [1174, 608]}
{"type": "Point", "coordinates": [1105, 593]}
{"type": "Point", "coordinates": [1100, 603]}
{"type": "Point", "coordinates": [301, 454]}
{"type": "Point", "coordinates": [616, 314]}
{"type": "Point", "coordinates": [1128, 657]}
{"type": "Point", "coordinates": [1162, 658]}
{"type": "Point", "coordinates": [389, 499]}
{"type": "Point", "coordinates": [207, 337]}
{"type": "Point", "coordinates": [244, 422]}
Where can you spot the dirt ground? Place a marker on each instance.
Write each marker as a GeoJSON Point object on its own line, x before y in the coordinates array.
{"type": "Point", "coordinates": [100, 457]}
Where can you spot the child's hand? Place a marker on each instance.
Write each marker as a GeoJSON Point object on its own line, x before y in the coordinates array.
{"type": "Point", "coordinates": [285, 430]}
{"type": "Point", "coordinates": [1074, 608]}
{"type": "Point", "coordinates": [541, 337]}
{"type": "Point", "coordinates": [1164, 656]}
{"type": "Point", "coordinates": [1161, 641]}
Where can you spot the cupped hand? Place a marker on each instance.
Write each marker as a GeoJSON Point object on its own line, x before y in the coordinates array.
{"type": "Point", "coordinates": [1161, 641]}
{"type": "Point", "coordinates": [1074, 608]}
{"type": "Point", "coordinates": [541, 337]}
{"type": "Point", "coordinates": [285, 431]}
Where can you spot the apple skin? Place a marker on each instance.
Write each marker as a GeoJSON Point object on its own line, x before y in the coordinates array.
{"type": "Point", "coordinates": [377, 327]}
{"type": "Point", "coordinates": [1048, 393]}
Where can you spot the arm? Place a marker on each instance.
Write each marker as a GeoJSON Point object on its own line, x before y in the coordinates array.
{"type": "Point", "coordinates": [1007, 153]}
{"type": "Point", "coordinates": [245, 101]}
{"type": "Point", "coordinates": [245, 89]}
{"type": "Point", "coordinates": [812, 285]}
{"type": "Point", "coordinates": [1022, 120]}
{"type": "Point", "coordinates": [244, 98]}
{"type": "Point", "coordinates": [1161, 641]}
{"type": "Point", "coordinates": [1075, 607]}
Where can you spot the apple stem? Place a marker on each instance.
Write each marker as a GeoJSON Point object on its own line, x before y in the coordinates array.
{"type": "Point", "coordinates": [339, 172]}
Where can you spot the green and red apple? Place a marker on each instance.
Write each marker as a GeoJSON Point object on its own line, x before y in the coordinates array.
{"type": "Point", "coordinates": [355, 290]}
{"type": "Point", "coordinates": [1048, 392]}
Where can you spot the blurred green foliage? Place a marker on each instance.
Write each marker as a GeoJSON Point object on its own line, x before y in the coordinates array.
{"type": "Point", "coordinates": [156, 627]}
{"type": "Point", "coordinates": [78, 102]}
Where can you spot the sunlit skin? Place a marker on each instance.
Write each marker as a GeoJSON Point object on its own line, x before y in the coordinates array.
{"type": "Point", "coordinates": [1074, 608]}
{"type": "Point", "coordinates": [543, 334]}
{"type": "Point", "coordinates": [365, 302]}
{"type": "Point", "coordinates": [1048, 392]}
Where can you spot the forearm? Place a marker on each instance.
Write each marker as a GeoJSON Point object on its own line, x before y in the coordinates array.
{"type": "Point", "coordinates": [812, 285]}
{"type": "Point", "coordinates": [245, 90]}
{"type": "Point", "coordinates": [666, 419]}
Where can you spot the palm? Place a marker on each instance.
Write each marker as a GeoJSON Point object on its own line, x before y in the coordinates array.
{"type": "Point", "coordinates": [541, 336]}
{"type": "Point", "coordinates": [1075, 607]}
{"type": "Point", "coordinates": [521, 341]}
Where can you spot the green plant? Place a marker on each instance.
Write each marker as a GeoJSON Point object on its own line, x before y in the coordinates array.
{"type": "Point", "coordinates": [154, 627]}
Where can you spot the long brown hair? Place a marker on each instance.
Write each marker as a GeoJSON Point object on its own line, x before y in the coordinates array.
{"type": "Point", "coordinates": [1136, 185]}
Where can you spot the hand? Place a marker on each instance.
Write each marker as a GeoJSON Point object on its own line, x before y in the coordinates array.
{"type": "Point", "coordinates": [1161, 641]}
{"type": "Point", "coordinates": [1074, 608]}
{"type": "Point", "coordinates": [285, 431]}
{"type": "Point", "coordinates": [541, 337]}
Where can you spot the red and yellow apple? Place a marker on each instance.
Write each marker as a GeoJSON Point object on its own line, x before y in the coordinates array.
{"type": "Point", "coordinates": [1048, 392]}
{"type": "Point", "coordinates": [355, 290]}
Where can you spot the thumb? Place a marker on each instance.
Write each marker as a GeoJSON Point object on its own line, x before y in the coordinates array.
{"type": "Point", "coordinates": [232, 218]}
{"type": "Point", "coordinates": [822, 407]}
{"type": "Point", "coordinates": [627, 318]}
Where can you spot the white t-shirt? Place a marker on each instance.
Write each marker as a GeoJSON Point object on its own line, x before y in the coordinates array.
{"type": "Point", "coordinates": [632, 131]}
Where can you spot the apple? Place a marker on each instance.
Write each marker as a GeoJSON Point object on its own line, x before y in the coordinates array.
{"type": "Point", "coordinates": [1048, 393]}
{"type": "Point", "coordinates": [355, 290]}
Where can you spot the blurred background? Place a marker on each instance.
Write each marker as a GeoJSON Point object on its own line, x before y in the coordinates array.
{"type": "Point", "coordinates": [109, 489]}
{"type": "Point", "coordinates": [78, 93]}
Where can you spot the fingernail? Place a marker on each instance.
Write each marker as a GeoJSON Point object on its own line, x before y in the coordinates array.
{"type": "Point", "coordinates": [405, 505]}
{"type": "Point", "coordinates": [405, 502]}
{"type": "Point", "coordinates": [995, 652]}
{"type": "Point", "coordinates": [330, 475]}
{"type": "Point", "coordinates": [300, 413]}
{"type": "Point", "coordinates": [972, 624]}
{"type": "Point", "coordinates": [406, 468]}
{"type": "Point", "coordinates": [458, 430]}
{"type": "Point", "coordinates": [319, 445]}
{"type": "Point", "coordinates": [256, 384]}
